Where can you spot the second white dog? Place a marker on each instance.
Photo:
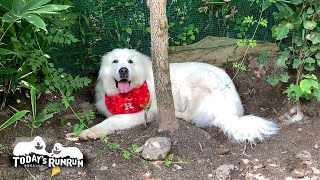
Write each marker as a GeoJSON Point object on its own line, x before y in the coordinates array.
{"type": "Point", "coordinates": [59, 151]}
{"type": "Point", "coordinates": [203, 95]}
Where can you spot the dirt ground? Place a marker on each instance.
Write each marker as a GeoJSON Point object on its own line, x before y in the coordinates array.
{"type": "Point", "coordinates": [293, 153]}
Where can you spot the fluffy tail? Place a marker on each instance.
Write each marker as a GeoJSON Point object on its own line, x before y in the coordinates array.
{"type": "Point", "coordinates": [246, 128]}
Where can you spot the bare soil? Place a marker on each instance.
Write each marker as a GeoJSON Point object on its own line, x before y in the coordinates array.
{"type": "Point", "coordinates": [198, 153]}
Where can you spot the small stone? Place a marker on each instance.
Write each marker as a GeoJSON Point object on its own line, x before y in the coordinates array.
{"type": "Point", "coordinates": [113, 165]}
{"type": "Point", "coordinates": [293, 110]}
{"type": "Point", "coordinates": [177, 167]}
{"type": "Point", "coordinates": [103, 168]}
{"type": "Point", "coordinates": [223, 171]}
{"type": "Point", "coordinates": [86, 106]}
{"type": "Point", "coordinates": [210, 175]}
{"type": "Point", "coordinates": [222, 150]}
{"type": "Point", "coordinates": [43, 168]}
{"type": "Point", "coordinates": [156, 148]}
{"type": "Point", "coordinates": [300, 129]}
{"type": "Point", "coordinates": [299, 173]}
{"type": "Point", "coordinates": [316, 146]}
{"type": "Point", "coordinates": [69, 124]}
{"type": "Point", "coordinates": [297, 117]}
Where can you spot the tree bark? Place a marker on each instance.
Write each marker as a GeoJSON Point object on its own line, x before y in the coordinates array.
{"type": "Point", "coordinates": [160, 63]}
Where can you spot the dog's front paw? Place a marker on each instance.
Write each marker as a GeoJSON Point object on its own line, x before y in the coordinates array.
{"type": "Point", "coordinates": [91, 133]}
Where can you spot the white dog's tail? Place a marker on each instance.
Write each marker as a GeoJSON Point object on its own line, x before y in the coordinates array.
{"type": "Point", "coordinates": [248, 127]}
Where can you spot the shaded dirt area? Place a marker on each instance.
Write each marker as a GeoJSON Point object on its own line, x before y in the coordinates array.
{"type": "Point", "coordinates": [199, 153]}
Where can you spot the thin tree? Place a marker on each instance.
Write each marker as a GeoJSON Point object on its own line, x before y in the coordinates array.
{"type": "Point", "coordinates": [160, 63]}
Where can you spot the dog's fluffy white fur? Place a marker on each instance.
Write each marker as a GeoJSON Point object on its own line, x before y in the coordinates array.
{"type": "Point", "coordinates": [203, 95]}
{"type": "Point", "coordinates": [37, 146]}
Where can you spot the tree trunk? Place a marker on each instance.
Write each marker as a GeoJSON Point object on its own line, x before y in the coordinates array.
{"type": "Point", "coordinates": [160, 63]}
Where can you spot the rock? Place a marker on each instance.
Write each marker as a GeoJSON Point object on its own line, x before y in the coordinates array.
{"type": "Point", "coordinates": [176, 167]}
{"type": "Point", "coordinates": [103, 168]}
{"type": "Point", "coordinates": [299, 173]}
{"type": "Point", "coordinates": [86, 106]}
{"type": "Point", "coordinates": [223, 171]}
{"type": "Point", "coordinates": [222, 150]}
{"type": "Point", "coordinates": [216, 50]}
{"type": "Point", "coordinates": [156, 148]}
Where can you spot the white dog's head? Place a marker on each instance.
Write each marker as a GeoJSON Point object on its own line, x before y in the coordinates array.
{"type": "Point", "coordinates": [57, 148]}
{"type": "Point", "coordinates": [39, 144]}
{"type": "Point", "coordinates": [122, 70]}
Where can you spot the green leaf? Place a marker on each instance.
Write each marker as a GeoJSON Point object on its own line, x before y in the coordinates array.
{"type": "Point", "coordinates": [148, 29]}
{"type": "Point", "coordinates": [34, 4]}
{"type": "Point", "coordinates": [126, 154]}
{"type": "Point", "coordinates": [315, 37]}
{"type": "Point", "coordinates": [307, 85]}
{"type": "Point", "coordinates": [50, 9]}
{"type": "Point", "coordinates": [129, 30]}
{"type": "Point", "coordinates": [316, 93]}
{"type": "Point", "coordinates": [317, 56]}
{"type": "Point", "coordinates": [265, 5]}
{"type": "Point", "coordinates": [263, 57]}
{"type": "Point", "coordinates": [310, 10]}
{"type": "Point", "coordinates": [309, 60]}
{"type": "Point", "coordinates": [294, 91]}
{"type": "Point", "coordinates": [281, 61]}
{"type": "Point", "coordinates": [33, 101]}
{"type": "Point", "coordinates": [273, 80]}
{"type": "Point", "coordinates": [309, 67]}
{"type": "Point", "coordinates": [17, 7]}
{"type": "Point", "coordinates": [282, 30]}
{"type": "Point", "coordinates": [309, 24]}
{"type": "Point", "coordinates": [35, 20]}
{"type": "Point", "coordinates": [295, 2]}
{"type": "Point", "coordinates": [10, 17]}
{"type": "Point", "coordinates": [13, 118]}
{"type": "Point", "coordinates": [7, 70]}
{"type": "Point", "coordinates": [6, 52]}
{"type": "Point", "coordinates": [296, 63]}
{"type": "Point", "coordinates": [192, 37]}
{"type": "Point", "coordinates": [284, 77]}
{"type": "Point", "coordinates": [7, 4]}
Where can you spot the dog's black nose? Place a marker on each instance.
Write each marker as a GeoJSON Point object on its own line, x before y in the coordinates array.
{"type": "Point", "coordinates": [124, 72]}
{"type": "Point", "coordinates": [38, 143]}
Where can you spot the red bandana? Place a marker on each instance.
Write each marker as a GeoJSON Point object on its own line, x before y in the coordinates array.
{"type": "Point", "coordinates": [130, 102]}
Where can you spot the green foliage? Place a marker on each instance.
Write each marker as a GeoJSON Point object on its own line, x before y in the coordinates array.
{"type": "Point", "coordinates": [298, 22]}
{"type": "Point", "coordinates": [30, 11]}
{"type": "Point", "coordinates": [168, 160]}
{"type": "Point", "coordinates": [126, 153]}
{"type": "Point", "coordinates": [84, 119]}
{"type": "Point", "coordinates": [17, 116]}
{"type": "Point", "coordinates": [240, 66]}
{"type": "Point", "coordinates": [307, 88]}
{"type": "Point", "coordinates": [28, 34]}
{"type": "Point", "coordinates": [187, 36]}
{"type": "Point", "coordinates": [37, 119]}
{"type": "Point", "coordinates": [263, 57]}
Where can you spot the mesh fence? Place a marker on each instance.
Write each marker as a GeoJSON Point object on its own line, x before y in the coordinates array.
{"type": "Point", "coordinates": [125, 23]}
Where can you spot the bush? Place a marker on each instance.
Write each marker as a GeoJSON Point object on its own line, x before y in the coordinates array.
{"type": "Point", "coordinates": [30, 31]}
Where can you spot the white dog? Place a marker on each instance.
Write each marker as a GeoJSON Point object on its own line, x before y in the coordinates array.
{"type": "Point", "coordinates": [37, 146]}
{"type": "Point", "coordinates": [58, 151]}
{"type": "Point", "coordinates": [203, 95]}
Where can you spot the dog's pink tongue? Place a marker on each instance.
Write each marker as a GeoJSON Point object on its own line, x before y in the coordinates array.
{"type": "Point", "coordinates": [123, 86]}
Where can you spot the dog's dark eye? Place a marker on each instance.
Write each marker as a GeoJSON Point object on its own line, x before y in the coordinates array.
{"type": "Point", "coordinates": [115, 61]}
{"type": "Point", "coordinates": [130, 61]}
